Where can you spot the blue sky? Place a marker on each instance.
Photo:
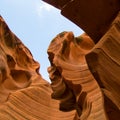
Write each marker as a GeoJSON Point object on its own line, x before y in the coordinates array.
{"type": "Point", "coordinates": [36, 23]}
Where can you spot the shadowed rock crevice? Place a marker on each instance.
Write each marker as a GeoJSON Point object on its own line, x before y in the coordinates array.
{"type": "Point", "coordinates": [104, 63]}
{"type": "Point", "coordinates": [24, 94]}
{"type": "Point", "coordinates": [14, 73]}
{"type": "Point", "coordinates": [84, 73]}
{"type": "Point", "coordinates": [67, 54]}
{"type": "Point", "coordinates": [94, 17]}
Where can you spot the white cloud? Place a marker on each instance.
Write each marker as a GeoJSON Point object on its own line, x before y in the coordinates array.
{"type": "Point", "coordinates": [43, 7]}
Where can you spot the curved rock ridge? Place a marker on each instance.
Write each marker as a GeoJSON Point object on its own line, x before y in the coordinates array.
{"type": "Point", "coordinates": [17, 66]}
{"type": "Point", "coordinates": [33, 103]}
{"type": "Point", "coordinates": [90, 15]}
{"type": "Point", "coordinates": [85, 77]}
{"type": "Point", "coordinates": [24, 94]}
{"type": "Point", "coordinates": [58, 3]}
{"type": "Point", "coordinates": [104, 63]}
{"type": "Point", "coordinates": [72, 82]}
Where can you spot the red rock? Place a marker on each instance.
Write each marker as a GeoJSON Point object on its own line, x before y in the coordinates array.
{"type": "Point", "coordinates": [93, 16]}
{"type": "Point", "coordinates": [104, 63]}
{"type": "Point", "coordinates": [16, 63]}
{"type": "Point", "coordinates": [85, 77]}
{"type": "Point", "coordinates": [24, 94]}
{"type": "Point", "coordinates": [72, 82]}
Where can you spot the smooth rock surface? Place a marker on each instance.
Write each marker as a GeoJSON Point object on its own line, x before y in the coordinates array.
{"type": "Point", "coordinates": [24, 94]}
{"type": "Point", "coordinates": [93, 16]}
{"type": "Point", "coordinates": [85, 77]}
{"type": "Point", "coordinates": [104, 63]}
{"type": "Point", "coordinates": [72, 82]}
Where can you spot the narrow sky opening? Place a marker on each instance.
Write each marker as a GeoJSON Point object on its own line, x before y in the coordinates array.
{"type": "Point", "coordinates": [36, 23]}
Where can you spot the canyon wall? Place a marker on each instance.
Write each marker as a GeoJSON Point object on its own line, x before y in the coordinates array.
{"type": "Point", "coordinates": [24, 94]}
{"type": "Point", "coordinates": [94, 17]}
{"type": "Point", "coordinates": [84, 72]}
{"type": "Point", "coordinates": [100, 20]}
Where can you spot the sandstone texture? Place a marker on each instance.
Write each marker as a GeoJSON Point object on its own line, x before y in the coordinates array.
{"type": "Point", "coordinates": [24, 94]}
{"type": "Point", "coordinates": [72, 82]}
{"type": "Point", "coordinates": [84, 72]}
{"type": "Point", "coordinates": [93, 16]}
{"type": "Point", "coordinates": [104, 63]}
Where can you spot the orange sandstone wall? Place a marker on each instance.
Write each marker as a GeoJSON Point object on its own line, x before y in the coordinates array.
{"type": "Point", "coordinates": [85, 77]}
{"type": "Point", "coordinates": [24, 94]}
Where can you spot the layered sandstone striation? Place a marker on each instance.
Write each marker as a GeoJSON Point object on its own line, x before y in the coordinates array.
{"type": "Point", "coordinates": [17, 67]}
{"type": "Point", "coordinates": [24, 94]}
{"type": "Point", "coordinates": [84, 73]}
{"type": "Point", "coordinates": [72, 82]}
{"type": "Point", "coordinates": [93, 98]}
{"type": "Point", "coordinates": [102, 25]}
{"type": "Point", "coordinates": [104, 63]}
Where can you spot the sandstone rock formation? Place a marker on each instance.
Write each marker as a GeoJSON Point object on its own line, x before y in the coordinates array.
{"type": "Point", "coordinates": [72, 82]}
{"type": "Point", "coordinates": [93, 16]}
{"type": "Point", "coordinates": [17, 66]}
{"type": "Point", "coordinates": [24, 94]}
{"type": "Point", "coordinates": [104, 63]}
{"type": "Point", "coordinates": [103, 59]}
{"type": "Point", "coordinates": [84, 73]}
{"type": "Point", "coordinates": [69, 71]}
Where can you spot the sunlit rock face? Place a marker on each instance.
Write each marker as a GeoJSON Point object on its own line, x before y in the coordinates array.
{"type": "Point", "coordinates": [101, 21]}
{"type": "Point", "coordinates": [24, 94]}
{"type": "Point", "coordinates": [17, 67]}
{"type": "Point", "coordinates": [85, 77]}
{"type": "Point", "coordinates": [74, 62]}
{"type": "Point", "coordinates": [72, 82]}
